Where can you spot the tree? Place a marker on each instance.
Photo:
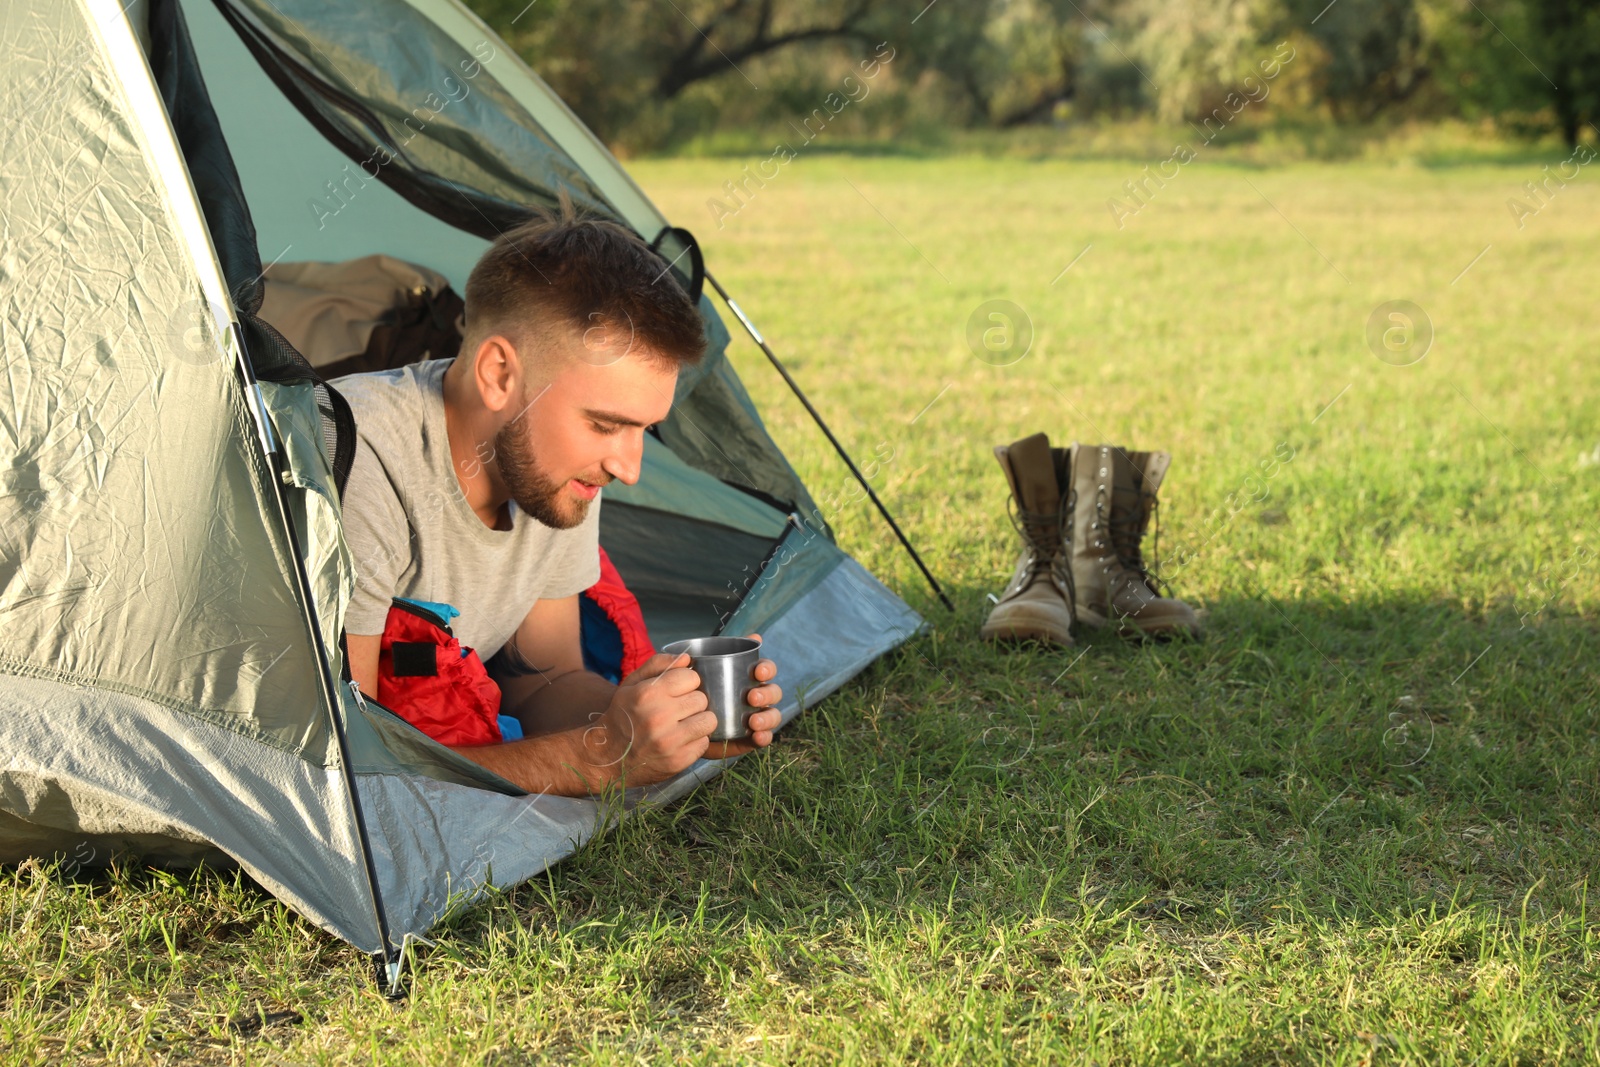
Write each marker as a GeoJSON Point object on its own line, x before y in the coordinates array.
{"type": "Point", "coordinates": [1531, 63]}
{"type": "Point", "coordinates": [1198, 52]}
{"type": "Point", "coordinates": [617, 62]}
{"type": "Point", "coordinates": [1044, 49]}
{"type": "Point", "coordinates": [1376, 53]}
{"type": "Point", "coordinates": [739, 30]}
{"type": "Point", "coordinates": [1568, 32]}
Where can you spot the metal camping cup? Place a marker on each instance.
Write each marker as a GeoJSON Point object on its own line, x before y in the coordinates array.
{"type": "Point", "coordinates": [726, 666]}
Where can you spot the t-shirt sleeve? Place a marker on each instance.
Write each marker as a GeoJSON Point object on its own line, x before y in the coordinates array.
{"type": "Point", "coordinates": [575, 566]}
{"type": "Point", "coordinates": [379, 536]}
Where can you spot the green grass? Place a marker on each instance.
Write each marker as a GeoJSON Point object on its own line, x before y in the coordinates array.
{"type": "Point", "coordinates": [1261, 139]}
{"type": "Point", "coordinates": [1356, 824]}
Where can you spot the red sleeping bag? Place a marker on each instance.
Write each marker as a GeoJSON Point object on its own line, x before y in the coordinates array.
{"type": "Point", "coordinates": [428, 679]}
{"type": "Point", "coordinates": [621, 609]}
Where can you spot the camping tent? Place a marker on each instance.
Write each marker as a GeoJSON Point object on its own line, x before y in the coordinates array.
{"type": "Point", "coordinates": [172, 573]}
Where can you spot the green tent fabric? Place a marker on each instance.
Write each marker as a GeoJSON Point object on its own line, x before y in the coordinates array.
{"type": "Point", "coordinates": [173, 576]}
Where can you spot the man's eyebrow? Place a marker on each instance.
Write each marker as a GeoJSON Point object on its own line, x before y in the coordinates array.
{"type": "Point", "coordinates": [611, 416]}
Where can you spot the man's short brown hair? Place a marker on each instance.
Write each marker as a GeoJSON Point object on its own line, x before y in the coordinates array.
{"type": "Point", "coordinates": [584, 273]}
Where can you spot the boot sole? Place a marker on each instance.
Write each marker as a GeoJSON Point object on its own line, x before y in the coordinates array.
{"type": "Point", "coordinates": [1018, 634]}
{"type": "Point", "coordinates": [1025, 630]}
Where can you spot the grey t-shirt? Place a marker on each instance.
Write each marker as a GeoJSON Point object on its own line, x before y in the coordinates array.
{"type": "Point", "coordinates": [413, 534]}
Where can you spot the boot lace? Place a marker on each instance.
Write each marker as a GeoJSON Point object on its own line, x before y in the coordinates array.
{"type": "Point", "coordinates": [1127, 527]}
{"type": "Point", "coordinates": [1038, 530]}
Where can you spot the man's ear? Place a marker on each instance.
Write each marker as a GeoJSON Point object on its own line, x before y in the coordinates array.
{"type": "Point", "coordinates": [497, 370]}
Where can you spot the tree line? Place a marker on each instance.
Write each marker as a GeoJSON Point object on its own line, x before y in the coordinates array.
{"type": "Point", "coordinates": [650, 73]}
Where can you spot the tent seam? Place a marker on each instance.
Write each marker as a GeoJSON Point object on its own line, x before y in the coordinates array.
{"type": "Point", "coordinates": [211, 716]}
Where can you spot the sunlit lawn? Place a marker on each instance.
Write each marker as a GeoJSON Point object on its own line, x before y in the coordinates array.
{"type": "Point", "coordinates": [1355, 824]}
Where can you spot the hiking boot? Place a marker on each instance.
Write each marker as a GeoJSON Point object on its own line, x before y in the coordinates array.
{"type": "Point", "coordinates": [1037, 604]}
{"type": "Point", "coordinates": [1115, 499]}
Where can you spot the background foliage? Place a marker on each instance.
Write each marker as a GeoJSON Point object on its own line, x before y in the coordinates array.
{"type": "Point", "coordinates": [654, 75]}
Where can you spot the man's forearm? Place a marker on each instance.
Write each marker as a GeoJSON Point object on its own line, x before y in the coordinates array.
{"type": "Point", "coordinates": [563, 750]}
{"type": "Point", "coordinates": [565, 763]}
{"type": "Point", "coordinates": [546, 705]}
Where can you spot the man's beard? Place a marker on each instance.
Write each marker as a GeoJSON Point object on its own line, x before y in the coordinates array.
{"type": "Point", "coordinates": [535, 492]}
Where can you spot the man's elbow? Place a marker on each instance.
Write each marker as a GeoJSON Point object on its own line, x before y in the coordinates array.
{"type": "Point", "coordinates": [362, 650]}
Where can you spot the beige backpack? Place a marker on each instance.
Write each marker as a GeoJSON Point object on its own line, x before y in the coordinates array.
{"type": "Point", "coordinates": [365, 314]}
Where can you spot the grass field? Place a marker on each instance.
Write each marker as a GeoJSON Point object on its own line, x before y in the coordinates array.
{"type": "Point", "coordinates": [1356, 824]}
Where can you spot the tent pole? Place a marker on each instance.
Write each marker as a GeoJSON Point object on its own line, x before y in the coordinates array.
{"type": "Point", "coordinates": [388, 961]}
{"type": "Point", "coordinates": [794, 386]}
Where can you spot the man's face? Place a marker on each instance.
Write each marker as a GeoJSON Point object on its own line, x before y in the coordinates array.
{"type": "Point", "coordinates": [568, 438]}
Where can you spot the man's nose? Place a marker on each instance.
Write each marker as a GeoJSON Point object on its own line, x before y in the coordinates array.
{"type": "Point", "coordinates": [624, 465]}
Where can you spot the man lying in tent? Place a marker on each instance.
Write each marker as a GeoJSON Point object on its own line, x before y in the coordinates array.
{"type": "Point", "coordinates": [475, 490]}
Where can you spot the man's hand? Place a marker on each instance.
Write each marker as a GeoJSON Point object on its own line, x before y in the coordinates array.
{"type": "Point", "coordinates": [762, 723]}
{"type": "Point", "coordinates": [656, 725]}
{"type": "Point", "coordinates": [660, 722]}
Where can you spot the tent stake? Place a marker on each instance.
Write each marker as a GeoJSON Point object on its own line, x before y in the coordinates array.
{"type": "Point", "coordinates": [794, 386]}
